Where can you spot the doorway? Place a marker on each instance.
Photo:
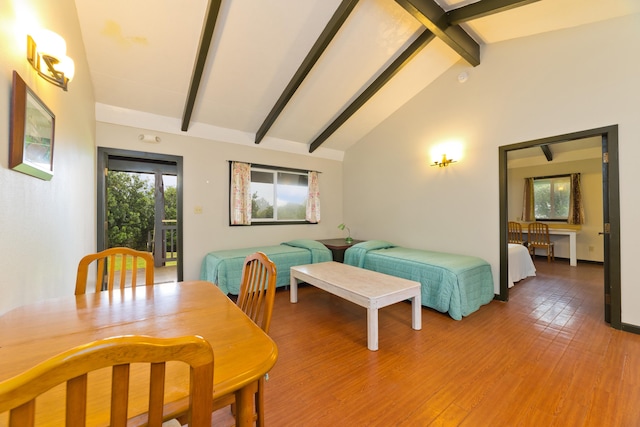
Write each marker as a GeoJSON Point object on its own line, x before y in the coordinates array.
{"type": "Point", "coordinates": [153, 182]}
{"type": "Point", "coordinates": [611, 214]}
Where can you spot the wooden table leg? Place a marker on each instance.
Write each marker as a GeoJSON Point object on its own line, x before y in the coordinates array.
{"type": "Point", "coordinates": [244, 407]}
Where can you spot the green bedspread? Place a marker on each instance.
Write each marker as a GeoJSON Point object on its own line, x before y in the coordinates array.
{"type": "Point", "coordinates": [224, 268]}
{"type": "Point", "coordinates": [457, 284]}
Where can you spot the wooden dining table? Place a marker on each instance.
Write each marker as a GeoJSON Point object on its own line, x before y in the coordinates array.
{"type": "Point", "coordinates": [243, 353]}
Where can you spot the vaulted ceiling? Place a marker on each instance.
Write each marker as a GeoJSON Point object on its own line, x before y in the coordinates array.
{"type": "Point", "coordinates": [304, 74]}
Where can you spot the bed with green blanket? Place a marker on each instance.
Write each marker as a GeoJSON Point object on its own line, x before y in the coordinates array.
{"type": "Point", "coordinates": [451, 283]}
{"type": "Point", "coordinates": [224, 268]}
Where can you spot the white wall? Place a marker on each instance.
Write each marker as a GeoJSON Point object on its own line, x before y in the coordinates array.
{"type": "Point", "coordinates": [46, 225]}
{"type": "Point", "coordinates": [206, 184]}
{"type": "Point", "coordinates": [524, 89]}
{"type": "Point", "coordinates": [589, 244]}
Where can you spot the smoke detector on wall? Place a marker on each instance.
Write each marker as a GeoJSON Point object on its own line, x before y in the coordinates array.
{"type": "Point", "coordinates": [149, 138]}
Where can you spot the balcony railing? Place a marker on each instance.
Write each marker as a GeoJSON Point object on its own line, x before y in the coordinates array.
{"type": "Point", "coordinates": [166, 251]}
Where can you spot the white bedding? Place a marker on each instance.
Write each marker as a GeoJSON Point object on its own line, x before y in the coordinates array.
{"type": "Point", "coordinates": [520, 264]}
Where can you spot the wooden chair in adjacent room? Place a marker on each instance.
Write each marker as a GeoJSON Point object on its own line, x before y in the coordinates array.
{"type": "Point", "coordinates": [106, 277]}
{"type": "Point", "coordinates": [538, 237]}
{"type": "Point", "coordinates": [515, 232]}
{"type": "Point", "coordinates": [18, 394]}
{"type": "Point", "coordinates": [256, 298]}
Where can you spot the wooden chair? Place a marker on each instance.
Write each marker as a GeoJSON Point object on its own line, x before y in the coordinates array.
{"type": "Point", "coordinates": [18, 394]}
{"type": "Point", "coordinates": [257, 294]}
{"type": "Point", "coordinates": [258, 289]}
{"type": "Point", "coordinates": [515, 233]}
{"type": "Point", "coordinates": [538, 237]}
{"type": "Point", "coordinates": [106, 273]}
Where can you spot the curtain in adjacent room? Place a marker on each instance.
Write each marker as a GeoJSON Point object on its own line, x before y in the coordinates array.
{"type": "Point", "coordinates": [240, 193]}
{"type": "Point", "coordinates": [576, 210]}
{"type": "Point", "coordinates": [313, 200]}
{"type": "Point", "coordinates": [528, 206]}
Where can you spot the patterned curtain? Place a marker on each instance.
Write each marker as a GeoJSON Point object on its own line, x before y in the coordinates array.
{"type": "Point", "coordinates": [528, 207]}
{"type": "Point", "coordinates": [313, 200]}
{"type": "Point", "coordinates": [576, 210]}
{"type": "Point", "coordinates": [240, 193]}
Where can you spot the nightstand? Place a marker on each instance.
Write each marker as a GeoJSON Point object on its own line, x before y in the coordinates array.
{"type": "Point", "coordinates": [338, 246]}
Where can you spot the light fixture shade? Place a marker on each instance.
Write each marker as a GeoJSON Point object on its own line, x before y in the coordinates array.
{"type": "Point", "coordinates": [47, 54]}
{"type": "Point", "coordinates": [66, 66]}
{"type": "Point", "coordinates": [50, 43]}
{"type": "Point", "coordinates": [446, 152]}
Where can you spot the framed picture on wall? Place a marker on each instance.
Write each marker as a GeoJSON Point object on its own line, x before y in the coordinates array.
{"type": "Point", "coordinates": [32, 132]}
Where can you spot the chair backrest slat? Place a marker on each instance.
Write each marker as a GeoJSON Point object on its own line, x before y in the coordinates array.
{"type": "Point", "coordinates": [156, 393]}
{"type": "Point", "coordinates": [119, 395]}
{"type": "Point", "coordinates": [76, 405]}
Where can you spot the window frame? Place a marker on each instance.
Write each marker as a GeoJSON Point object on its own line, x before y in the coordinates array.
{"type": "Point", "coordinates": [551, 177]}
{"type": "Point", "coordinates": [275, 169]}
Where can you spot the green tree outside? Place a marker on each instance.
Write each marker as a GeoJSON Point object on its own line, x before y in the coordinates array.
{"type": "Point", "coordinates": [170, 203]}
{"type": "Point", "coordinates": [551, 198]}
{"type": "Point", "coordinates": [130, 209]}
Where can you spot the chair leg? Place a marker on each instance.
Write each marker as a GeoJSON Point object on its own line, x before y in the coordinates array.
{"type": "Point", "coordinates": [260, 403]}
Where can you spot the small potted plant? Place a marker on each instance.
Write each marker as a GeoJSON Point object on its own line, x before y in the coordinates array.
{"type": "Point", "coordinates": [349, 240]}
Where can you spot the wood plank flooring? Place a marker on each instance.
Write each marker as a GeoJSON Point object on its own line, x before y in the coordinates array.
{"type": "Point", "coordinates": [545, 358]}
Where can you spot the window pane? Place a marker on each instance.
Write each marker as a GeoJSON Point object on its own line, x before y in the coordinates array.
{"type": "Point", "coordinates": [278, 195]}
{"type": "Point", "coordinates": [552, 197]}
{"type": "Point", "coordinates": [262, 194]}
{"type": "Point", "coordinates": [262, 176]}
{"type": "Point", "coordinates": [292, 196]}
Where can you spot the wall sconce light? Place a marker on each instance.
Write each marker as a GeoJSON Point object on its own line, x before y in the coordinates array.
{"type": "Point", "coordinates": [443, 162]}
{"type": "Point", "coordinates": [47, 54]}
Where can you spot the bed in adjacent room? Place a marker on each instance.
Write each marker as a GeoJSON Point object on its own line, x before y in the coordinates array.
{"type": "Point", "coordinates": [520, 264]}
{"type": "Point", "coordinates": [451, 283]}
{"type": "Point", "coordinates": [224, 268]}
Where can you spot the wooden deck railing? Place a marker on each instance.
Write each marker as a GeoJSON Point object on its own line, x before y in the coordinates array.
{"type": "Point", "coordinates": [167, 250]}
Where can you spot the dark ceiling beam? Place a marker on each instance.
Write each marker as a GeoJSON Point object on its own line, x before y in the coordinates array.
{"type": "Point", "coordinates": [547, 152]}
{"type": "Point", "coordinates": [436, 20]}
{"type": "Point", "coordinates": [203, 49]}
{"type": "Point", "coordinates": [424, 39]}
{"type": "Point", "coordinates": [339, 17]}
{"type": "Point", "coordinates": [483, 8]}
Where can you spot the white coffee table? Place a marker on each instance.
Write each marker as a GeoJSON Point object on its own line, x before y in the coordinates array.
{"type": "Point", "coordinates": [368, 289]}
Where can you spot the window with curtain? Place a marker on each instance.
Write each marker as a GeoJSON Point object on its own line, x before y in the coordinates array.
{"type": "Point", "coordinates": [553, 198]}
{"type": "Point", "coordinates": [277, 195]}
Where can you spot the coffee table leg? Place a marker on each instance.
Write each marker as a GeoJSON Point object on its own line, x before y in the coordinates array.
{"type": "Point", "coordinates": [293, 297]}
{"type": "Point", "coordinates": [416, 314]}
{"type": "Point", "coordinates": [372, 329]}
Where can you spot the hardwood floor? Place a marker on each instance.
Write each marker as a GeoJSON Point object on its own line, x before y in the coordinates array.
{"type": "Point", "coordinates": [545, 358]}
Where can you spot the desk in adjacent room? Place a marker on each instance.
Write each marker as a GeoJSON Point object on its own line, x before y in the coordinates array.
{"type": "Point", "coordinates": [573, 259]}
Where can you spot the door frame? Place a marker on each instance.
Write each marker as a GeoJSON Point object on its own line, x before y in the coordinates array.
{"type": "Point", "coordinates": [103, 156]}
{"type": "Point", "coordinates": [611, 214]}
